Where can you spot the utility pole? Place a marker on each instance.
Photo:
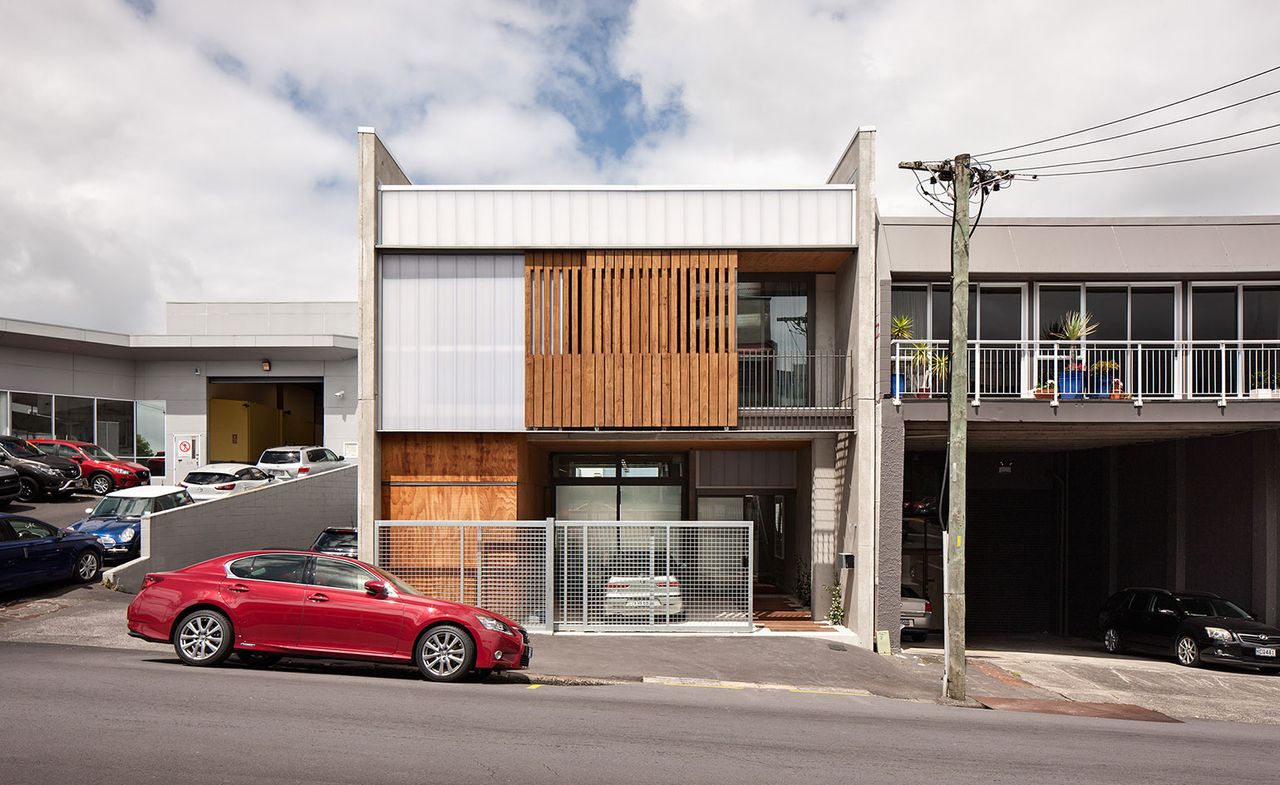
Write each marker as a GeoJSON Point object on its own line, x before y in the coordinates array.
{"type": "Point", "coordinates": [955, 177]}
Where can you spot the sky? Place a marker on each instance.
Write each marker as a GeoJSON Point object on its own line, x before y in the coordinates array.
{"type": "Point", "coordinates": [157, 151]}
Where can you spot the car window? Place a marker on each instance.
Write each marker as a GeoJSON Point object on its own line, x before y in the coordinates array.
{"type": "Point", "coordinates": [258, 474]}
{"type": "Point", "coordinates": [279, 567]}
{"type": "Point", "coordinates": [19, 448]}
{"type": "Point", "coordinates": [121, 507]}
{"type": "Point", "coordinates": [342, 539]}
{"type": "Point", "coordinates": [6, 534]}
{"type": "Point", "coordinates": [1212, 606]}
{"type": "Point", "coordinates": [279, 456]}
{"type": "Point", "coordinates": [1141, 601]}
{"type": "Point", "coordinates": [340, 575]}
{"type": "Point", "coordinates": [1165, 602]}
{"type": "Point", "coordinates": [162, 503]}
{"type": "Point", "coordinates": [330, 455]}
{"type": "Point", "coordinates": [316, 456]}
{"type": "Point", "coordinates": [907, 591]}
{"type": "Point", "coordinates": [27, 529]}
{"type": "Point", "coordinates": [182, 499]}
{"type": "Point", "coordinates": [207, 478]}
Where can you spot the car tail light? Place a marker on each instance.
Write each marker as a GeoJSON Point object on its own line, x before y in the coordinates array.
{"type": "Point", "coordinates": [150, 580]}
{"type": "Point", "coordinates": [615, 585]}
{"type": "Point", "coordinates": [303, 469]}
{"type": "Point", "coordinates": [671, 584]}
{"type": "Point", "coordinates": [928, 607]}
{"type": "Point", "coordinates": [228, 487]}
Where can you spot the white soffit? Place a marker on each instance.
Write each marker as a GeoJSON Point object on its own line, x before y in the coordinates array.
{"type": "Point", "coordinates": [617, 217]}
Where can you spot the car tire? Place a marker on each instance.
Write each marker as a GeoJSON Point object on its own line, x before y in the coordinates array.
{"type": "Point", "coordinates": [28, 489]}
{"type": "Point", "coordinates": [203, 638]}
{"type": "Point", "coordinates": [88, 565]}
{"type": "Point", "coordinates": [258, 659]}
{"type": "Point", "coordinates": [1187, 651]}
{"type": "Point", "coordinates": [916, 637]}
{"type": "Point", "coordinates": [101, 483]}
{"type": "Point", "coordinates": [482, 673]}
{"type": "Point", "coordinates": [445, 653]}
{"type": "Point", "coordinates": [1111, 641]}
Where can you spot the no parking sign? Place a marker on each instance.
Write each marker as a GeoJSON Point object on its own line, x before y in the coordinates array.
{"type": "Point", "coordinates": [184, 447]}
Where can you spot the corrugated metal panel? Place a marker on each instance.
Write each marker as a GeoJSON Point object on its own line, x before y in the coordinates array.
{"type": "Point", "coordinates": [452, 342]}
{"type": "Point", "coordinates": [746, 469]}
{"type": "Point", "coordinates": [418, 217]}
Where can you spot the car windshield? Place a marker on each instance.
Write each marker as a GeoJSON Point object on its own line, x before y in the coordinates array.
{"type": "Point", "coordinates": [280, 456]}
{"type": "Point", "coordinates": [208, 478]}
{"type": "Point", "coordinates": [122, 507]}
{"type": "Point", "coordinates": [400, 585]}
{"type": "Point", "coordinates": [337, 540]}
{"type": "Point", "coordinates": [907, 591]}
{"type": "Point", "coordinates": [20, 448]}
{"type": "Point", "coordinates": [97, 453]}
{"type": "Point", "coordinates": [1211, 606]}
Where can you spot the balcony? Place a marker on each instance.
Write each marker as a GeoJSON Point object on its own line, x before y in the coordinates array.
{"type": "Point", "coordinates": [809, 391]}
{"type": "Point", "coordinates": [1093, 370]}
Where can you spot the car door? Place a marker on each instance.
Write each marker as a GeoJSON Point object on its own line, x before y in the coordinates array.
{"type": "Point", "coordinates": [1163, 621]}
{"type": "Point", "coordinates": [44, 554]}
{"type": "Point", "coordinates": [13, 563]}
{"type": "Point", "coordinates": [264, 594]}
{"type": "Point", "coordinates": [340, 616]}
{"type": "Point", "coordinates": [249, 477]}
{"type": "Point", "coordinates": [1137, 620]}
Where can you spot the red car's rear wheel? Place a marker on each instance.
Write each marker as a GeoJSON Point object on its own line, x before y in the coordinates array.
{"type": "Point", "coordinates": [203, 638]}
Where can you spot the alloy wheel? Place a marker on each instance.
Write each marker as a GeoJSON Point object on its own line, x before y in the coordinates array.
{"type": "Point", "coordinates": [101, 484]}
{"type": "Point", "coordinates": [28, 491]}
{"type": "Point", "coordinates": [1188, 652]}
{"type": "Point", "coordinates": [201, 637]}
{"type": "Point", "coordinates": [1111, 640]}
{"type": "Point", "coordinates": [443, 653]}
{"type": "Point", "coordinates": [87, 566]}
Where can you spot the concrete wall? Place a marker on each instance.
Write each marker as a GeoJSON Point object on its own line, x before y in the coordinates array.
{"type": "Point", "coordinates": [60, 373]}
{"type": "Point", "coordinates": [280, 515]}
{"type": "Point", "coordinates": [260, 318]}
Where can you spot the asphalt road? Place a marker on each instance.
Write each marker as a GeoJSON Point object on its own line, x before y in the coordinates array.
{"type": "Point", "coordinates": [80, 714]}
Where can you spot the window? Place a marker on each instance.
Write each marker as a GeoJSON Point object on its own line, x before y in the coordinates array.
{"type": "Point", "coordinates": [340, 575]}
{"type": "Point", "coordinates": [1261, 313]}
{"type": "Point", "coordinates": [995, 311]}
{"type": "Point", "coordinates": [619, 487]}
{"type": "Point", "coordinates": [149, 439]}
{"type": "Point", "coordinates": [73, 418]}
{"type": "Point", "coordinates": [1165, 602]}
{"type": "Point", "coordinates": [31, 415]}
{"type": "Point", "coordinates": [4, 412]}
{"type": "Point", "coordinates": [774, 314]}
{"type": "Point", "coordinates": [249, 473]}
{"type": "Point", "coordinates": [1213, 313]}
{"type": "Point", "coordinates": [115, 426]}
{"type": "Point", "coordinates": [121, 507]}
{"type": "Point", "coordinates": [27, 529]}
{"type": "Point", "coordinates": [1141, 601]}
{"type": "Point", "coordinates": [279, 456]}
{"type": "Point", "coordinates": [279, 567]}
{"type": "Point", "coordinates": [316, 456]}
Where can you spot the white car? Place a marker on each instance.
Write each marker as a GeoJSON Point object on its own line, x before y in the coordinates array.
{"type": "Point", "coordinates": [630, 589]}
{"type": "Point", "coordinates": [917, 615]}
{"type": "Point", "coordinates": [220, 479]}
{"type": "Point", "coordinates": [289, 462]}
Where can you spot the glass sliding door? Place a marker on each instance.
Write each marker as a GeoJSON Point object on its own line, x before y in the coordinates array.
{"type": "Point", "coordinates": [1153, 326]}
{"type": "Point", "coordinates": [774, 341]}
{"type": "Point", "coordinates": [1215, 328]}
{"type": "Point", "coordinates": [1260, 316]}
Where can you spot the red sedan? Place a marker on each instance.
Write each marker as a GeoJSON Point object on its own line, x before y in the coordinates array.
{"type": "Point", "coordinates": [264, 605]}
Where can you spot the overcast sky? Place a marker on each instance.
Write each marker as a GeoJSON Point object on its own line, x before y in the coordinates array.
{"type": "Point", "coordinates": [157, 151]}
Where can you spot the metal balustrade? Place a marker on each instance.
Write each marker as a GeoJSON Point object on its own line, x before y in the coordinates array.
{"type": "Point", "coordinates": [785, 391]}
{"type": "Point", "coordinates": [1092, 370]}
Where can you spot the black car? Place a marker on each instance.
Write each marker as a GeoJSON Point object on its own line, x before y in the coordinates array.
{"type": "Point", "coordinates": [39, 474]}
{"type": "Point", "coordinates": [337, 542]}
{"type": "Point", "coordinates": [1192, 627]}
{"type": "Point", "coordinates": [33, 552]}
{"type": "Point", "coordinates": [9, 486]}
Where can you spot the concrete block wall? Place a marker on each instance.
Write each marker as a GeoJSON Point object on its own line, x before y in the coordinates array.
{"type": "Point", "coordinates": [281, 515]}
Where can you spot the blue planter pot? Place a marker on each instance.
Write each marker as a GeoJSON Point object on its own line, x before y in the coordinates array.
{"type": "Point", "coordinates": [897, 385]}
{"type": "Point", "coordinates": [1100, 385]}
{"type": "Point", "coordinates": [1070, 384]}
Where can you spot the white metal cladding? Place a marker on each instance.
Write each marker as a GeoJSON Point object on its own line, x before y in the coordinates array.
{"type": "Point", "coordinates": [452, 342]}
{"type": "Point", "coordinates": [578, 575]}
{"type": "Point", "coordinates": [617, 217]}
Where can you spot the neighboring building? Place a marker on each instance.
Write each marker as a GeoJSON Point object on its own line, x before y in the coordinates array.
{"type": "Point", "coordinates": [231, 379]}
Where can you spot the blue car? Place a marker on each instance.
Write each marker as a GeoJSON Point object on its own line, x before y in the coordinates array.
{"type": "Point", "coordinates": [116, 522]}
{"type": "Point", "coordinates": [34, 552]}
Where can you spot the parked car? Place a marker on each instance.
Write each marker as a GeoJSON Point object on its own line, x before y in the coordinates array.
{"type": "Point", "coordinates": [104, 471]}
{"type": "Point", "coordinates": [337, 542]}
{"type": "Point", "coordinates": [264, 605]}
{"type": "Point", "coordinates": [632, 590]}
{"type": "Point", "coordinates": [917, 615]}
{"type": "Point", "coordinates": [289, 462]}
{"type": "Point", "coordinates": [117, 519]}
{"type": "Point", "coordinates": [1192, 627]}
{"type": "Point", "coordinates": [39, 475]}
{"type": "Point", "coordinates": [9, 486]}
{"type": "Point", "coordinates": [34, 552]}
{"type": "Point", "coordinates": [221, 479]}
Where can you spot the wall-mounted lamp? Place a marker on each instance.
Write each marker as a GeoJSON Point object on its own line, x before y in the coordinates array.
{"type": "Point", "coordinates": [266, 365]}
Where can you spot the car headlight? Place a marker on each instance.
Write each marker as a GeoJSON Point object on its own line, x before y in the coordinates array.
{"type": "Point", "coordinates": [118, 470]}
{"type": "Point", "coordinates": [45, 468]}
{"type": "Point", "coordinates": [106, 541]}
{"type": "Point", "coordinates": [1218, 633]}
{"type": "Point", "coordinates": [127, 535]}
{"type": "Point", "coordinates": [490, 623]}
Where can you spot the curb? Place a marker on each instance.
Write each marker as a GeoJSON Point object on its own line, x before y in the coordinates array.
{"type": "Point", "coordinates": [557, 680]}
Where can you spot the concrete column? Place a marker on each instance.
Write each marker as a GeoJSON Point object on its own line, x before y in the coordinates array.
{"type": "Point", "coordinates": [1266, 527]}
{"type": "Point", "coordinates": [889, 542]}
{"type": "Point", "coordinates": [824, 504]}
{"type": "Point", "coordinates": [375, 167]}
{"type": "Point", "coordinates": [1113, 521]}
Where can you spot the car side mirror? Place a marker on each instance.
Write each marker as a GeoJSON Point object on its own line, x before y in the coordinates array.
{"type": "Point", "coordinates": [376, 588]}
{"type": "Point", "coordinates": [342, 457]}
{"type": "Point", "coordinates": [88, 511]}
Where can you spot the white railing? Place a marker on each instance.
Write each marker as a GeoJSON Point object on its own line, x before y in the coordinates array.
{"type": "Point", "coordinates": [1092, 370]}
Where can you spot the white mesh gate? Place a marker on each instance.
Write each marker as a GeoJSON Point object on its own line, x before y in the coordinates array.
{"type": "Point", "coordinates": [582, 575]}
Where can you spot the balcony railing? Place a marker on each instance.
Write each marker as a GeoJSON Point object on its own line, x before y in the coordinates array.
{"type": "Point", "coordinates": [794, 391]}
{"type": "Point", "coordinates": [1092, 370]}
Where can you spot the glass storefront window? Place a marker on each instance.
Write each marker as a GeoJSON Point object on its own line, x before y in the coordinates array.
{"type": "Point", "coordinates": [650, 502]}
{"type": "Point", "coordinates": [4, 413]}
{"type": "Point", "coordinates": [31, 415]}
{"type": "Point", "coordinates": [618, 487]}
{"type": "Point", "coordinates": [587, 503]}
{"type": "Point", "coordinates": [73, 418]}
{"type": "Point", "coordinates": [150, 425]}
{"type": "Point", "coordinates": [115, 426]}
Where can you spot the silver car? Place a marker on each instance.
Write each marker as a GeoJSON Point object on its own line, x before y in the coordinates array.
{"type": "Point", "coordinates": [216, 480]}
{"type": "Point", "coordinates": [288, 462]}
{"type": "Point", "coordinates": [917, 615]}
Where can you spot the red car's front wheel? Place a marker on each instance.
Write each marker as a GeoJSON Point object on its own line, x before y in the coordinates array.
{"type": "Point", "coordinates": [445, 653]}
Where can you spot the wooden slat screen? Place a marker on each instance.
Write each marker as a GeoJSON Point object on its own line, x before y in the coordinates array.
{"type": "Point", "coordinates": [631, 339]}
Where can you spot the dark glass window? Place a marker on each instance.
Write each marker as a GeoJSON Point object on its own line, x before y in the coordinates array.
{"type": "Point", "coordinates": [281, 567]}
{"type": "Point", "coordinates": [913, 303]}
{"type": "Point", "coordinates": [1213, 313]}
{"type": "Point", "coordinates": [340, 575]}
{"type": "Point", "coordinates": [774, 315]}
{"type": "Point", "coordinates": [1261, 313]}
{"type": "Point", "coordinates": [1055, 301]}
{"type": "Point", "coordinates": [27, 529]}
{"type": "Point", "coordinates": [1152, 314]}
{"type": "Point", "coordinates": [115, 426]}
{"type": "Point", "coordinates": [1165, 602]}
{"type": "Point", "coordinates": [1110, 309]}
{"type": "Point", "coordinates": [31, 415]}
{"type": "Point", "coordinates": [73, 418]}
{"type": "Point", "coordinates": [999, 314]}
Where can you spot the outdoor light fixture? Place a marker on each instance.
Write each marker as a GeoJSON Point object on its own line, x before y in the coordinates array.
{"type": "Point", "coordinates": [266, 365]}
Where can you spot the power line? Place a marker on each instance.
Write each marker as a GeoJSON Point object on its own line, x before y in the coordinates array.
{"type": "Point", "coordinates": [1132, 116]}
{"type": "Point", "coordinates": [1149, 152]}
{"type": "Point", "coordinates": [1140, 130]}
{"type": "Point", "coordinates": [1158, 163]}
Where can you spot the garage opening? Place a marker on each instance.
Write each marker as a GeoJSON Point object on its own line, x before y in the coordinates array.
{"type": "Point", "coordinates": [247, 416]}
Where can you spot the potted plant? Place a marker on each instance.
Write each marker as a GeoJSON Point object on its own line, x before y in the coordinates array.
{"type": "Point", "coordinates": [1262, 385]}
{"type": "Point", "coordinates": [900, 328]}
{"type": "Point", "coordinates": [931, 364]}
{"type": "Point", "coordinates": [1075, 327]}
{"type": "Point", "coordinates": [1103, 376]}
{"type": "Point", "coordinates": [1044, 389]}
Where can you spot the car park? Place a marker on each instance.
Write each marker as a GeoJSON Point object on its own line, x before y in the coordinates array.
{"type": "Point", "coordinates": [290, 462]}
{"type": "Point", "coordinates": [33, 552]}
{"type": "Point", "coordinates": [265, 605]}
{"type": "Point", "coordinates": [39, 475]}
{"type": "Point", "coordinates": [917, 615]}
{"type": "Point", "coordinates": [116, 521]}
{"type": "Point", "coordinates": [103, 471]}
{"type": "Point", "coordinates": [9, 486]}
{"type": "Point", "coordinates": [216, 480]}
{"type": "Point", "coordinates": [1192, 627]}
{"type": "Point", "coordinates": [337, 542]}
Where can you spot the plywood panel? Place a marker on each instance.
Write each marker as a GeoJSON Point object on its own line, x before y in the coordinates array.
{"type": "Point", "coordinates": [450, 502]}
{"type": "Point", "coordinates": [450, 457]}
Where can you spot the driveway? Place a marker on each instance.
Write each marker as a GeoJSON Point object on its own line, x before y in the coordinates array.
{"type": "Point", "coordinates": [59, 512]}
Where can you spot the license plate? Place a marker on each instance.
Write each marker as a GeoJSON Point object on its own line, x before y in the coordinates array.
{"type": "Point", "coordinates": [908, 623]}
{"type": "Point", "coordinates": [1265, 652]}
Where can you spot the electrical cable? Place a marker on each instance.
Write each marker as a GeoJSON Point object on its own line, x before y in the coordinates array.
{"type": "Point", "coordinates": [1140, 130]}
{"type": "Point", "coordinates": [1158, 163]}
{"type": "Point", "coordinates": [1133, 116]}
{"type": "Point", "coordinates": [1149, 152]}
